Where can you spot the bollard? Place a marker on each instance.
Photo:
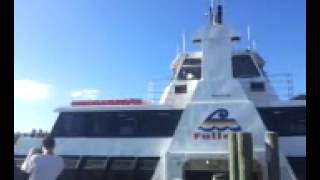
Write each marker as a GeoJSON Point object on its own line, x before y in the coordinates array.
{"type": "Point", "coordinates": [272, 150]}
{"type": "Point", "coordinates": [245, 155]}
{"type": "Point", "coordinates": [233, 157]}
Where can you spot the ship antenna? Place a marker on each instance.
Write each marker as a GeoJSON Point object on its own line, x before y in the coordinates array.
{"type": "Point", "coordinates": [252, 43]}
{"type": "Point", "coordinates": [216, 12]}
{"type": "Point", "coordinates": [249, 38]}
{"type": "Point", "coordinates": [183, 42]}
{"type": "Point", "coordinates": [212, 7]}
{"type": "Point", "coordinates": [219, 14]}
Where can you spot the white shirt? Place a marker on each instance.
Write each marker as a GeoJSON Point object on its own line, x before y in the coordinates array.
{"type": "Point", "coordinates": [43, 167]}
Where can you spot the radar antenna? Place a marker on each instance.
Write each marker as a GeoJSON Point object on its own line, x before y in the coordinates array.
{"type": "Point", "coordinates": [249, 38]}
{"type": "Point", "coordinates": [183, 42]}
{"type": "Point", "coordinates": [215, 12]}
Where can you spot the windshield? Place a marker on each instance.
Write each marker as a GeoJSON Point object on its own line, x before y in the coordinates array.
{"type": "Point", "coordinates": [243, 67]}
{"type": "Point", "coordinates": [190, 70]}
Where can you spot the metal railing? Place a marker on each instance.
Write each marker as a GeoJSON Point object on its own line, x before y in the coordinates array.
{"type": "Point", "coordinates": [282, 84]}
{"type": "Point", "coordinates": [155, 89]}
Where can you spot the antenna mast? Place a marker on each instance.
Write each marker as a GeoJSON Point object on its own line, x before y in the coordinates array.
{"type": "Point", "coordinates": [211, 9]}
{"type": "Point", "coordinates": [252, 43]}
{"type": "Point", "coordinates": [183, 42]}
{"type": "Point", "coordinates": [215, 12]}
{"type": "Point", "coordinates": [249, 38]}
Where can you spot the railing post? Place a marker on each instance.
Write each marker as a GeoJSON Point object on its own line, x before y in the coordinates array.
{"type": "Point", "coordinates": [245, 155]}
{"type": "Point", "coordinates": [272, 150]}
{"type": "Point", "coordinates": [233, 157]}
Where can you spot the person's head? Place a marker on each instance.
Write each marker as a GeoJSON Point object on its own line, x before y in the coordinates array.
{"type": "Point", "coordinates": [48, 144]}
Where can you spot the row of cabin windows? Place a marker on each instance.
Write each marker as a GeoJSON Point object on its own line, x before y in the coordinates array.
{"type": "Point", "coordinates": [286, 121]}
{"type": "Point", "coordinates": [147, 123]}
{"type": "Point", "coordinates": [114, 163]}
{"type": "Point", "coordinates": [243, 67]}
{"type": "Point", "coordinates": [90, 167]}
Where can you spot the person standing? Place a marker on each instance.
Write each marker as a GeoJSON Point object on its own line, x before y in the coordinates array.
{"type": "Point", "coordinates": [45, 166]}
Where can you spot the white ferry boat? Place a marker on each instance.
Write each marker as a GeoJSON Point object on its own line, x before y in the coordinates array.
{"type": "Point", "coordinates": [212, 92]}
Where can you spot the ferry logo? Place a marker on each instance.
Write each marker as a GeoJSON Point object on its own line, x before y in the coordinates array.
{"type": "Point", "coordinates": [216, 126]}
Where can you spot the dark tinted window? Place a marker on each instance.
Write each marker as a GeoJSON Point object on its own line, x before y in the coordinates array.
{"type": "Point", "coordinates": [286, 121]}
{"type": "Point", "coordinates": [71, 162]}
{"type": "Point", "coordinates": [243, 67]}
{"type": "Point", "coordinates": [147, 163]}
{"type": "Point", "coordinates": [178, 89]}
{"type": "Point", "coordinates": [190, 73]}
{"type": "Point", "coordinates": [127, 123]}
{"type": "Point", "coordinates": [101, 124]}
{"type": "Point", "coordinates": [257, 86]}
{"type": "Point", "coordinates": [123, 164]}
{"type": "Point", "coordinates": [74, 124]}
{"type": "Point", "coordinates": [192, 62]}
{"type": "Point", "coordinates": [298, 165]}
{"type": "Point", "coordinates": [143, 123]}
{"type": "Point", "coordinates": [95, 163]}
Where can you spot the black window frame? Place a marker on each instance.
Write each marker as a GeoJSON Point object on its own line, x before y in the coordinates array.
{"type": "Point", "coordinates": [257, 86]}
{"type": "Point", "coordinates": [149, 123]}
{"type": "Point", "coordinates": [284, 120]}
{"type": "Point", "coordinates": [180, 89]}
{"type": "Point", "coordinates": [241, 70]}
{"type": "Point", "coordinates": [195, 70]}
{"type": "Point", "coordinates": [192, 61]}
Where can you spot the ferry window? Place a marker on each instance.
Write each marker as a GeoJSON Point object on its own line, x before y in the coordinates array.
{"type": "Point", "coordinates": [190, 73]}
{"type": "Point", "coordinates": [94, 163]}
{"type": "Point", "coordinates": [68, 118]}
{"type": "Point", "coordinates": [180, 89]}
{"type": "Point", "coordinates": [286, 121]}
{"type": "Point", "coordinates": [71, 163]}
{"type": "Point", "coordinates": [147, 163]}
{"type": "Point", "coordinates": [101, 124]}
{"type": "Point", "coordinates": [69, 124]}
{"type": "Point", "coordinates": [159, 123]}
{"type": "Point", "coordinates": [192, 62]}
{"type": "Point", "coordinates": [123, 164]}
{"type": "Point", "coordinates": [298, 165]}
{"type": "Point", "coordinates": [257, 86]}
{"type": "Point", "coordinates": [243, 67]}
{"type": "Point", "coordinates": [78, 124]}
{"type": "Point", "coordinates": [127, 123]}
{"type": "Point", "coordinates": [264, 73]}
{"type": "Point", "coordinates": [139, 123]}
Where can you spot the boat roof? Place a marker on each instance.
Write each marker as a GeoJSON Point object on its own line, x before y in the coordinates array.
{"type": "Point", "coordinates": [288, 103]}
{"type": "Point", "coordinates": [113, 108]}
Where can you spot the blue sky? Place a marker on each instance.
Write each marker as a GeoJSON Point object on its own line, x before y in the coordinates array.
{"type": "Point", "coordinates": [110, 49]}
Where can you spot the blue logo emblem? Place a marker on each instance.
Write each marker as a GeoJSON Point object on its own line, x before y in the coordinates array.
{"type": "Point", "coordinates": [216, 125]}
